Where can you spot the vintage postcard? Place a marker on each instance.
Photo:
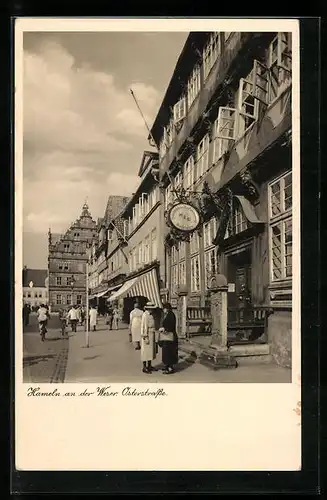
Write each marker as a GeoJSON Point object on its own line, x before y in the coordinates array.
{"type": "Point", "coordinates": [157, 253]}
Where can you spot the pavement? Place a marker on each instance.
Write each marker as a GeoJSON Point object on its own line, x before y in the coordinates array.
{"type": "Point", "coordinates": [111, 358]}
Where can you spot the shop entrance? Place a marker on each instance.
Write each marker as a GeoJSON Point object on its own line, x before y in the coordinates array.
{"type": "Point", "coordinates": [239, 279]}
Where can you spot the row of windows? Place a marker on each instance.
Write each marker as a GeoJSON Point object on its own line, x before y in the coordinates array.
{"type": "Point", "coordinates": [140, 210]}
{"type": "Point", "coordinates": [146, 251]}
{"type": "Point", "coordinates": [35, 295]}
{"type": "Point", "coordinates": [65, 281]}
{"type": "Point", "coordinates": [67, 299]}
{"type": "Point", "coordinates": [266, 81]}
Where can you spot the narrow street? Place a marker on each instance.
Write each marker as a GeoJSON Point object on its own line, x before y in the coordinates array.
{"type": "Point", "coordinates": [111, 358]}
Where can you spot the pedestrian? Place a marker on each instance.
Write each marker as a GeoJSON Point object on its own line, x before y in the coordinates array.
{"type": "Point", "coordinates": [148, 338]}
{"type": "Point", "coordinates": [168, 340]}
{"type": "Point", "coordinates": [110, 317]}
{"type": "Point", "coordinates": [42, 317]}
{"type": "Point", "coordinates": [135, 319]}
{"type": "Point", "coordinates": [63, 320]}
{"type": "Point", "coordinates": [93, 318]}
{"type": "Point", "coordinates": [116, 318]}
{"type": "Point", "coordinates": [73, 317]}
{"type": "Point", "coordinates": [26, 314]}
{"type": "Point", "coordinates": [82, 315]}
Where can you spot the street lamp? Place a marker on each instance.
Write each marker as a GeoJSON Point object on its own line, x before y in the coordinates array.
{"type": "Point", "coordinates": [72, 283]}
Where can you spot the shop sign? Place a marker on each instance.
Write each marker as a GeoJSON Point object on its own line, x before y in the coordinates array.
{"type": "Point", "coordinates": [184, 217]}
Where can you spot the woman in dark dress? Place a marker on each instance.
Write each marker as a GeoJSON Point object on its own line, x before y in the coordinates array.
{"type": "Point", "coordinates": [169, 347]}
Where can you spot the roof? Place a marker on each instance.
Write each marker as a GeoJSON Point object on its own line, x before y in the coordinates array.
{"type": "Point", "coordinates": [37, 276]}
{"type": "Point", "coordinates": [184, 66]}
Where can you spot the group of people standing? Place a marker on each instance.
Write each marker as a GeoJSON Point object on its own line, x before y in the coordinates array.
{"type": "Point", "coordinates": [147, 336]}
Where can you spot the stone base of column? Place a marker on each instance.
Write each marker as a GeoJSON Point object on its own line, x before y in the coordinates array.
{"type": "Point", "coordinates": [217, 357]}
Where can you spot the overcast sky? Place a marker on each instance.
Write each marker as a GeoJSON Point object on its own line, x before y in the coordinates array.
{"type": "Point", "coordinates": [83, 134]}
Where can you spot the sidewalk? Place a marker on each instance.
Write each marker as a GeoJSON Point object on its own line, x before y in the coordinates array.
{"type": "Point", "coordinates": [111, 358]}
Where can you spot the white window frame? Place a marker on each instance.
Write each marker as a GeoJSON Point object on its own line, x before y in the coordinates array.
{"type": "Point", "coordinates": [208, 269]}
{"type": "Point", "coordinates": [195, 284]}
{"type": "Point", "coordinates": [194, 243]}
{"type": "Point", "coordinates": [174, 279]}
{"type": "Point", "coordinates": [182, 272]}
{"type": "Point", "coordinates": [58, 281]}
{"type": "Point", "coordinates": [225, 131]}
{"type": "Point", "coordinates": [154, 245]}
{"type": "Point", "coordinates": [188, 172]}
{"type": "Point", "coordinates": [280, 219]}
{"type": "Point", "coordinates": [202, 157]}
{"type": "Point", "coordinates": [179, 110]}
{"type": "Point", "coordinates": [169, 195]}
{"type": "Point", "coordinates": [193, 85]}
{"type": "Point", "coordinates": [209, 232]}
{"type": "Point", "coordinates": [59, 299]}
{"type": "Point", "coordinates": [211, 53]}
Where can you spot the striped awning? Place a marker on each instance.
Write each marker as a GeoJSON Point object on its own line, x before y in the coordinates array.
{"type": "Point", "coordinates": [145, 285]}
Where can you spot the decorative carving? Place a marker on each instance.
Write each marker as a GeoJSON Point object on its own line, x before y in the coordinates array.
{"type": "Point", "coordinates": [226, 198]}
{"type": "Point", "coordinates": [174, 236]}
{"type": "Point", "coordinates": [248, 183]}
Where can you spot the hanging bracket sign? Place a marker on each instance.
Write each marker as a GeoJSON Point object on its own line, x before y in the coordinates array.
{"type": "Point", "coordinates": [184, 217]}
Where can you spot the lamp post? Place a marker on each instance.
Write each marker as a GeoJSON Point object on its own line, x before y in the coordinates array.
{"type": "Point", "coordinates": [72, 284]}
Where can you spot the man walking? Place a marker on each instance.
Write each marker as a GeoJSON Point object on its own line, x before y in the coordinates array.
{"type": "Point", "coordinates": [73, 318]}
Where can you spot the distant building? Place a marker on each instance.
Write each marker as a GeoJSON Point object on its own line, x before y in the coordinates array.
{"type": "Point", "coordinates": [105, 262]}
{"type": "Point", "coordinates": [35, 287]}
{"type": "Point", "coordinates": [67, 262]}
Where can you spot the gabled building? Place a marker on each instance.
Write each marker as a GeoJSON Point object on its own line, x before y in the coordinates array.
{"type": "Point", "coordinates": [224, 135]}
{"type": "Point", "coordinates": [67, 259]}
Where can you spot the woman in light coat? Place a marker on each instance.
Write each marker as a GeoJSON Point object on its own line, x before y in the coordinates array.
{"type": "Point", "coordinates": [93, 318]}
{"type": "Point", "coordinates": [148, 338]}
{"type": "Point", "coordinates": [135, 320]}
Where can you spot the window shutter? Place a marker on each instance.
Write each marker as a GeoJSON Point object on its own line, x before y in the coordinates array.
{"type": "Point", "coordinates": [260, 81]}
{"type": "Point", "coordinates": [226, 124]}
{"type": "Point", "coordinates": [284, 51]}
{"type": "Point", "coordinates": [180, 110]}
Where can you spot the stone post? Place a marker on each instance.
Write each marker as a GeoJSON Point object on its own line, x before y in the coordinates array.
{"type": "Point", "coordinates": [182, 311]}
{"type": "Point", "coordinates": [218, 305]}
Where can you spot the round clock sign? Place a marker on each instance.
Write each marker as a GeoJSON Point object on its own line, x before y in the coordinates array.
{"type": "Point", "coordinates": [184, 217]}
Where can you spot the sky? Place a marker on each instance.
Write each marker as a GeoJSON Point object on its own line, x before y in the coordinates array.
{"type": "Point", "coordinates": [83, 134]}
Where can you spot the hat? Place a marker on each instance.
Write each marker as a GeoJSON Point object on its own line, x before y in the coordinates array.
{"type": "Point", "coordinates": [150, 305]}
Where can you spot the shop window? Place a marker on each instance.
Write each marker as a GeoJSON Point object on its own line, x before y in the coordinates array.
{"type": "Point", "coordinates": [280, 208]}
{"type": "Point", "coordinates": [195, 274]}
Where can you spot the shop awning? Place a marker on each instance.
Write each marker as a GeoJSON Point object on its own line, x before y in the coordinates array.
{"type": "Point", "coordinates": [248, 210]}
{"type": "Point", "coordinates": [110, 289]}
{"type": "Point", "coordinates": [145, 285]}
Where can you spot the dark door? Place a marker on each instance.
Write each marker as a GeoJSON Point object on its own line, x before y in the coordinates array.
{"type": "Point", "coordinates": [239, 280]}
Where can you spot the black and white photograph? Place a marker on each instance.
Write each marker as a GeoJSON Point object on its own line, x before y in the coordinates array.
{"type": "Point", "coordinates": [157, 207]}
{"type": "Point", "coordinates": [157, 244]}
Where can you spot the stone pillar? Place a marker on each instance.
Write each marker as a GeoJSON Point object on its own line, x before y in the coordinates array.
{"type": "Point", "coordinates": [182, 311]}
{"type": "Point", "coordinates": [218, 305]}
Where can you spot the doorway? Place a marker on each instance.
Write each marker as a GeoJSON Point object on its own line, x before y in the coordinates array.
{"type": "Point", "coordinates": [239, 279]}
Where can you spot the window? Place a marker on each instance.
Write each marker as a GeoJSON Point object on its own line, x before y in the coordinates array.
{"type": "Point", "coordinates": [169, 196]}
{"type": "Point", "coordinates": [40, 295]}
{"type": "Point", "coordinates": [280, 207]}
{"type": "Point", "coordinates": [210, 265]}
{"type": "Point", "coordinates": [65, 266]}
{"type": "Point", "coordinates": [280, 64]}
{"type": "Point", "coordinates": [174, 279]}
{"type": "Point", "coordinates": [79, 299]}
{"type": "Point", "coordinates": [29, 295]}
{"type": "Point", "coordinates": [209, 232]}
{"type": "Point", "coordinates": [211, 53]}
{"type": "Point", "coordinates": [68, 281]}
{"type": "Point", "coordinates": [182, 273]}
{"type": "Point", "coordinates": [60, 267]}
{"type": "Point", "coordinates": [195, 274]}
{"type": "Point", "coordinates": [202, 157]}
{"type": "Point", "coordinates": [182, 250]}
{"type": "Point", "coordinates": [194, 243]}
{"type": "Point", "coordinates": [238, 222]}
{"type": "Point", "coordinates": [174, 255]}
{"type": "Point", "coordinates": [58, 280]}
{"type": "Point", "coordinates": [225, 130]}
{"type": "Point", "coordinates": [154, 244]}
{"type": "Point", "coordinates": [247, 104]}
{"type": "Point", "coordinates": [68, 300]}
{"type": "Point", "coordinates": [58, 299]}
{"type": "Point", "coordinates": [180, 110]}
{"type": "Point", "coordinates": [110, 234]}
{"type": "Point", "coordinates": [193, 86]}
{"type": "Point", "coordinates": [146, 257]}
{"type": "Point", "coordinates": [189, 173]}
{"type": "Point", "coordinates": [140, 250]}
